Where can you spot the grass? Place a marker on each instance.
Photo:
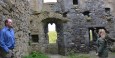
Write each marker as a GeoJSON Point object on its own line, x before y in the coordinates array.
{"type": "Point", "coordinates": [36, 55]}
{"type": "Point", "coordinates": [52, 36]}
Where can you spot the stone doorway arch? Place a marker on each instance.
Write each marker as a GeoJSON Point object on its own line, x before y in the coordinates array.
{"type": "Point", "coordinates": [59, 20]}
{"type": "Point", "coordinates": [59, 30]}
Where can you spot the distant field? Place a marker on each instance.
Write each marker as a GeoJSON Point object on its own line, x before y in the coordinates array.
{"type": "Point", "coordinates": [52, 36]}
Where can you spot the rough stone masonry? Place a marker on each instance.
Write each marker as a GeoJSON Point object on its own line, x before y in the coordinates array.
{"type": "Point", "coordinates": [75, 21]}
{"type": "Point", "coordinates": [19, 11]}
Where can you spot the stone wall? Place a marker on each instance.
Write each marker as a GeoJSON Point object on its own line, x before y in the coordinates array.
{"type": "Point", "coordinates": [80, 18]}
{"type": "Point", "coordinates": [110, 4]}
{"type": "Point", "coordinates": [36, 6]}
{"type": "Point", "coordinates": [80, 23]}
{"type": "Point", "coordinates": [19, 12]}
{"type": "Point", "coordinates": [72, 22]}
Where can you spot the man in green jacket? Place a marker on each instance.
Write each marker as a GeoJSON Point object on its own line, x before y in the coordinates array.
{"type": "Point", "coordinates": [102, 44]}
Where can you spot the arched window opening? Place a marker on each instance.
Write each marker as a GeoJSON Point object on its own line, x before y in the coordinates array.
{"type": "Point", "coordinates": [52, 33]}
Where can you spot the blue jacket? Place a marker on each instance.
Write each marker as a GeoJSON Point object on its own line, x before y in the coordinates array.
{"type": "Point", "coordinates": [7, 39]}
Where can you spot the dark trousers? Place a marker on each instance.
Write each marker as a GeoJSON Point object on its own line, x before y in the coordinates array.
{"type": "Point", "coordinates": [3, 54]}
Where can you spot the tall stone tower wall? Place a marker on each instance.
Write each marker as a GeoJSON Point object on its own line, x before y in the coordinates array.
{"type": "Point", "coordinates": [19, 12]}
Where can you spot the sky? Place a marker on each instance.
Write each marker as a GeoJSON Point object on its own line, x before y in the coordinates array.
{"type": "Point", "coordinates": [51, 27]}
{"type": "Point", "coordinates": [45, 1]}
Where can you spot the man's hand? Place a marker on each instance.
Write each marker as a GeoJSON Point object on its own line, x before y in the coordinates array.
{"type": "Point", "coordinates": [10, 53]}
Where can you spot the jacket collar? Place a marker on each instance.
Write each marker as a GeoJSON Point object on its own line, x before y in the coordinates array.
{"type": "Point", "coordinates": [7, 28]}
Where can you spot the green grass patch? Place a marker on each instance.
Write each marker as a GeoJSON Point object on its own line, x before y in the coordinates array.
{"type": "Point", "coordinates": [36, 55]}
{"type": "Point", "coordinates": [52, 36]}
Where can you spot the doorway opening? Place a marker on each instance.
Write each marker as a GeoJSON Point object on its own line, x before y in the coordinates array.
{"type": "Point", "coordinates": [93, 36]}
{"type": "Point", "coordinates": [53, 30]}
{"type": "Point", "coordinates": [52, 34]}
{"type": "Point", "coordinates": [52, 39]}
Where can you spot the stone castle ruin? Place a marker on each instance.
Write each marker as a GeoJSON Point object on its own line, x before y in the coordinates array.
{"type": "Point", "coordinates": [76, 22]}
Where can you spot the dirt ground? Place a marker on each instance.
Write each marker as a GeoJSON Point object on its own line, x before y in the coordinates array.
{"type": "Point", "coordinates": [92, 55]}
{"type": "Point", "coordinates": [56, 56]}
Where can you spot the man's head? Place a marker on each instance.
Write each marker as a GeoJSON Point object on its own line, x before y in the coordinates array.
{"type": "Point", "coordinates": [102, 33]}
{"type": "Point", "coordinates": [8, 23]}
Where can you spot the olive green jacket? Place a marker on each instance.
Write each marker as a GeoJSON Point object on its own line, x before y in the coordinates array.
{"type": "Point", "coordinates": [102, 48]}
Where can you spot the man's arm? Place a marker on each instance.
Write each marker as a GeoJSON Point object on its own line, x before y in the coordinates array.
{"type": "Point", "coordinates": [110, 39]}
{"type": "Point", "coordinates": [101, 46]}
{"type": "Point", "coordinates": [2, 43]}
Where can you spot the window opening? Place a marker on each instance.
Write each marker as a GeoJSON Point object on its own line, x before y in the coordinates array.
{"type": "Point", "coordinates": [47, 1]}
{"type": "Point", "coordinates": [75, 2]}
{"type": "Point", "coordinates": [35, 38]}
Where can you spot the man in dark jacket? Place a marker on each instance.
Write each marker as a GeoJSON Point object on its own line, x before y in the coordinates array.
{"type": "Point", "coordinates": [102, 49]}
